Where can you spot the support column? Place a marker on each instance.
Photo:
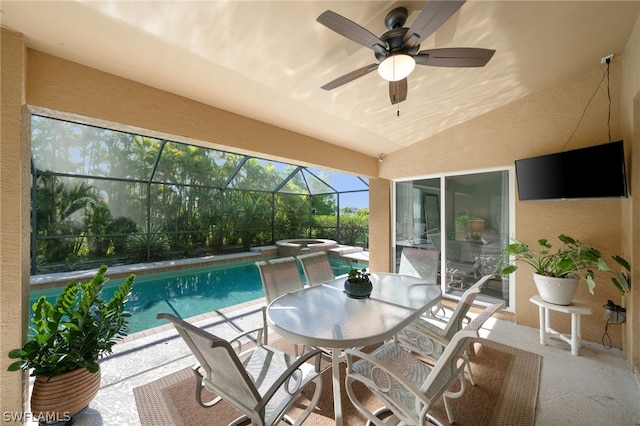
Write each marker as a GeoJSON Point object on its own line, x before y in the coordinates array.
{"type": "Point", "coordinates": [379, 225]}
{"type": "Point", "coordinates": [14, 218]}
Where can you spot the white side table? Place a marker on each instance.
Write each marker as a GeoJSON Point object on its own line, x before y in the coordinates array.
{"type": "Point", "coordinates": [575, 309]}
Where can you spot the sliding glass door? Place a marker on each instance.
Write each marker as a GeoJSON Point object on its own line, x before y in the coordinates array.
{"type": "Point", "coordinates": [467, 218]}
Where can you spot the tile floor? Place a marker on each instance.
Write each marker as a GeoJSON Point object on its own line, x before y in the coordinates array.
{"type": "Point", "coordinates": [594, 388]}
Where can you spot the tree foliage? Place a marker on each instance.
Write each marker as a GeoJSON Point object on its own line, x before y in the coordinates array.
{"type": "Point", "coordinates": [100, 193]}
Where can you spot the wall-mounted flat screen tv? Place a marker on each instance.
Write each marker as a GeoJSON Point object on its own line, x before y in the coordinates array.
{"type": "Point", "coordinates": [592, 172]}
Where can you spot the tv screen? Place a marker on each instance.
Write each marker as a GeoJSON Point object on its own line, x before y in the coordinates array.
{"type": "Point", "coordinates": [593, 172]}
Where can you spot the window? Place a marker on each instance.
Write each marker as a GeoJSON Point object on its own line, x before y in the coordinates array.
{"type": "Point", "coordinates": [467, 218]}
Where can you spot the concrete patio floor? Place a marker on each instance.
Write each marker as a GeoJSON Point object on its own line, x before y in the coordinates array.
{"type": "Point", "coordinates": [594, 388]}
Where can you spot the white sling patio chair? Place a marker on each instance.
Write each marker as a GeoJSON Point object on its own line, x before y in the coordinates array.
{"type": "Point", "coordinates": [430, 344]}
{"type": "Point", "coordinates": [261, 382]}
{"type": "Point", "coordinates": [316, 267]}
{"type": "Point", "coordinates": [437, 334]}
{"type": "Point", "coordinates": [407, 386]}
{"type": "Point", "coordinates": [421, 263]}
{"type": "Point", "coordinates": [278, 276]}
{"type": "Point", "coordinates": [443, 314]}
{"type": "Point", "coordinates": [444, 331]}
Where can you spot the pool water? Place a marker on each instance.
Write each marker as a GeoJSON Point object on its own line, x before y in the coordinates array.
{"type": "Point", "coordinates": [189, 292]}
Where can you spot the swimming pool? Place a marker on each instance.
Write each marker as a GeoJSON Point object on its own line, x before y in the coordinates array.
{"type": "Point", "coordinates": [190, 292]}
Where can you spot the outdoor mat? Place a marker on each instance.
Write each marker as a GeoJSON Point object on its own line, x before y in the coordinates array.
{"type": "Point", "coordinates": [505, 394]}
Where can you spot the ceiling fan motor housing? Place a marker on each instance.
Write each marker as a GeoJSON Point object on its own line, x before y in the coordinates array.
{"type": "Point", "coordinates": [395, 42]}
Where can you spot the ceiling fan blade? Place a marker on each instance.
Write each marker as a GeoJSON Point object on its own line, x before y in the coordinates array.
{"type": "Point", "coordinates": [454, 57]}
{"type": "Point", "coordinates": [360, 72]}
{"type": "Point", "coordinates": [398, 91]}
{"type": "Point", "coordinates": [434, 14]}
{"type": "Point", "coordinates": [351, 30]}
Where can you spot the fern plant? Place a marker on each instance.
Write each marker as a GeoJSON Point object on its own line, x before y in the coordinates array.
{"type": "Point", "coordinates": [78, 329]}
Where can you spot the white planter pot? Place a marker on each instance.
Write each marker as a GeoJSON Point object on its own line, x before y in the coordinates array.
{"type": "Point", "coordinates": [559, 291]}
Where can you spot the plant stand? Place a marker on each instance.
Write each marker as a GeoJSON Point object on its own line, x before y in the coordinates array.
{"type": "Point", "coordinates": [575, 309]}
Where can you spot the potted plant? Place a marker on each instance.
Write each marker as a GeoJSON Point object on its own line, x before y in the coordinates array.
{"type": "Point", "coordinates": [558, 272]}
{"type": "Point", "coordinates": [66, 341]}
{"type": "Point", "coordinates": [358, 284]}
{"type": "Point", "coordinates": [468, 225]}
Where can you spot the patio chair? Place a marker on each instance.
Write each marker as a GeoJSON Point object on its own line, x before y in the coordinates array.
{"type": "Point", "coordinates": [407, 386]}
{"type": "Point", "coordinates": [454, 323]}
{"type": "Point", "coordinates": [443, 314]}
{"type": "Point", "coordinates": [261, 382]}
{"type": "Point", "coordinates": [443, 328]}
{"type": "Point", "coordinates": [279, 276]}
{"type": "Point", "coordinates": [316, 267]}
{"type": "Point", "coordinates": [430, 345]}
{"type": "Point", "coordinates": [421, 263]}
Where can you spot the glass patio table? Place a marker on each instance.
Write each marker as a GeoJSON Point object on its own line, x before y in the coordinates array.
{"type": "Point", "coordinates": [324, 316]}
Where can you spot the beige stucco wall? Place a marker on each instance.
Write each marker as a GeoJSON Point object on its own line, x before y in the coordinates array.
{"type": "Point", "coordinates": [537, 124]}
{"type": "Point", "coordinates": [67, 87]}
{"type": "Point", "coordinates": [630, 128]}
{"type": "Point", "coordinates": [14, 218]}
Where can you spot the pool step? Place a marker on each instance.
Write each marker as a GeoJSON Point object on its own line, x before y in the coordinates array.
{"type": "Point", "coordinates": [342, 250]}
{"type": "Point", "coordinates": [350, 254]}
{"type": "Point", "coordinates": [361, 257]}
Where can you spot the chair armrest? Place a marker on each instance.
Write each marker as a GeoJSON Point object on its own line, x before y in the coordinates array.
{"type": "Point", "coordinates": [237, 345]}
{"type": "Point", "coordinates": [418, 328]}
{"type": "Point", "coordinates": [434, 313]}
{"type": "Point", "coordinates": [288, 373]}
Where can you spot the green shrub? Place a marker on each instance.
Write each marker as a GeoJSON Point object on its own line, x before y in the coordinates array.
{"type": "Point", "coordinates": [147, 247]}
{"type": "Point", "coordinates": [75, 331]}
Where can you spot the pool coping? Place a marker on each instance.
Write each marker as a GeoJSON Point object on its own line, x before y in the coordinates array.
{"type": "Point", "coordinates": [44, 281]}
{"type": "Point", "coordinates": [196, 318]}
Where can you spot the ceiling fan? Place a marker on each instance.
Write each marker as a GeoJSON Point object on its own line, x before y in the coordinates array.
{"type": "Point", "coordinates": [398, 49]}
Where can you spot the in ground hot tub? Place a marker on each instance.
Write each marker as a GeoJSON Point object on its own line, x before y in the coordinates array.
{"type": "Point", "coordinates": [301, 245]}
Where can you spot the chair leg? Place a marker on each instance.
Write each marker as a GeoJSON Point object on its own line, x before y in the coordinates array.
{"type": "Point", "coordinates": [265, 326]}
{"type": "Point", "coordinates": [457, 394]}
{"type": "Point", "coordinates": [199, 386]}
{"type": "Point", "coordinates": [448, 410]}
{"type": "Point", "coordinates": [466, 361]}
{"type": "Point", "coordinates": [287, 419]}
{"type": "Point", "coordinates": [386, 414]}
{"type": "Point", "coordinates": [433, 420]}
{"type": "Point", "coordinates": [242, 420]}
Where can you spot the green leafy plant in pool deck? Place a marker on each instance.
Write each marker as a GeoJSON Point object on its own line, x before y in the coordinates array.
{"type": "Point", "coordinates": [573, 257]}
{"type": "Point", "coordinates": [358, 275]}
{"type": "Point", "coordinates": [78, 329]}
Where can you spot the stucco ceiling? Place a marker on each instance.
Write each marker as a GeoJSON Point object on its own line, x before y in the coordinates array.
{"type": "Point", "coordinates": [267, 59]}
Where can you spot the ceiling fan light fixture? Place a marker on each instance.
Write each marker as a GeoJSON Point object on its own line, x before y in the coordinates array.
{"type": "Point", "coordinates": [396, 67]}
